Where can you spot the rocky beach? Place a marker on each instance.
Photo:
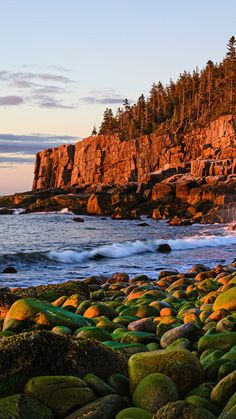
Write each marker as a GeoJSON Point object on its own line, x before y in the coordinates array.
{"type": "Point", "coordinates": [118, 265]}
{"type": "Point", "coordinates": [121, 347]}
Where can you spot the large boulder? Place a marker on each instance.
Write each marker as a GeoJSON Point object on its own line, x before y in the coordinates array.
{"type": "Point", "coordinates": [226, 300]}
{"type": "Point", "coordinates": [21, 406]}
{"type": "Point", "coordinates": [154, 391]}
{"type": "Point", "coordinates": [33, 354]}
{"type": "Point", "coordinates": [99, 204]}
{"type": "Point", "coordinates": [62, 394]}
{"type": "Point", "coordinates": [181, 366]}
{"type": "Point", "coordinates": [42, 313]}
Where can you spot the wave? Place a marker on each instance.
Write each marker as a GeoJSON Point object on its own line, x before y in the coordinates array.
{"type": "Point", "coordinates": [126, 249]}
{"type": "Point", "coordinates": [118, 250]}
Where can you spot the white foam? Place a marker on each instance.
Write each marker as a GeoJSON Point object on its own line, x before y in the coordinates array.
{"type": "Point", "coordinates": [65, 211]}
{"type": "Point", "coordinates": [126, 249]}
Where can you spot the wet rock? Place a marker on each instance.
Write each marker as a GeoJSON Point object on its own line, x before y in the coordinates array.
{"type": "Point", "coordinates": [42, 313]}
{"type": "Point", "coordinates": [164, 248]}
{"type": "Point", "coordinates": [188, 331]}
{"type": "Point", "coordinates": [9, 270]}
{"type": "Point", "coordinates": [78, 220]}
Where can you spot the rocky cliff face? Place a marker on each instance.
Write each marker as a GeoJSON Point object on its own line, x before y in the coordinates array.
{"type": "Point", "coordinates": [207, 151]}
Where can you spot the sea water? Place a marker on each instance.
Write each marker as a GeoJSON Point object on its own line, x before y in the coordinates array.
{"type": "Point", "coordinates": [52, 247]}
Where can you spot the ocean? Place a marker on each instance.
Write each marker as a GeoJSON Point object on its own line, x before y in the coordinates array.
{"type": "Point", "coordinates": [51, 247]}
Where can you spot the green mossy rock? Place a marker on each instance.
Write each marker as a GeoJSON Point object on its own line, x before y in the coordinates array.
{"type": "Point", "coordinates": [153, 346]}
{"type": "Point", "coordinates": [134, 413]}
{"type": "Point", "coordinates": [93, 332]}
{"type": "Point", "coordinates": [224, 389]}
{"type": "Point", "coordinates": [231, 354]}
{"type": "Point", "coordinates": [222, 341]}
{"type": "Point", "coordinates": [183, 410]}
{"type": "Point", "coordinates": [230, 405]}
{"type": "Point", "coordinates": [174, 364]}
{"type": "Point", "coordinates": [54, 291]}
{"type": "Point", "coordinates": [226, 369]}
{"type": "Point", "coordinates": [62, 330]}
{"type": "Point", "coordinates": [21, 406]}
{"type": "Point", "coordinates": [231, 414]}
{"type": "Point", "coordinates": [137, 337]}
{"type": "Point", "coordinates": [154, 391]}
{"type": "Point", "coordinates": [227, 324]}
{"type": "Point", "coordinates": [98, 385]}
{"type": "Point", "coordinates": [120, 383]}
{"type": "Point", "coordinates": [124, 320]}
{"type": "Point", "coordinates": [98, 309]}
{"type": "Point", "coordinates": [226, 300]}
{"type": "Point", "coordinates": [200, 391]}
{"type": "Point", "coordinates": [44, 353]}
{"type": "Point", "coordinates": [106, 407]}
{"type": "Point", "coordinates": [61, 394]}
{"type": "Point", "coordinates": [42, 313]}
{"type": "Point", "coordinates": [199, 401]}
{"type": "Point", "coordinates": [181, 343]}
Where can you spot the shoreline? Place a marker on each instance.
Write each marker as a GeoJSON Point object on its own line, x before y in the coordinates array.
{"type": "Point", "coordinates": [120, 341]}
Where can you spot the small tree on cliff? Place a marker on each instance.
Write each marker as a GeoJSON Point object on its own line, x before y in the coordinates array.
{"type": "Point", "coordinates": [94, 131]}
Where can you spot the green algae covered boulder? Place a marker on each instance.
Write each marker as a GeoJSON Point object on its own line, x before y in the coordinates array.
{"type": "Point", "coordinates": [100, 387]}
{"type": "Point", "coordinates": [134, 413]}
{"type": "Point", "coordinates": [61, 394]}
{"type": "Point", "coordinates": [93, 332]}
{"type": "Point", "coordinates": [42, 313]}
{"type": "Point", "coordinates": [105, 407]}
{"type": "Point", "coordinates": [154, 391]}
{"type": "Point", "coordinates": [183, 410]}
{"type": "Point", "coordinates": [21, 406]}
{"type": "Point", "coordinates": [202, 402]}
{"type": "Point", "coordinates": [181, 366]}
{"type": "Point", "coordinates": [226, 300]}
{"type": "Point", "coordinates": [34, 354]}
{"type": "Point", "coordinates": [120, 383]}
{"type": "Point", "coordinates": [223, 341]}
{"type": "Point", "coordinates": [224, 389]}
{"type": "Point", "coordinates": [62, 330]}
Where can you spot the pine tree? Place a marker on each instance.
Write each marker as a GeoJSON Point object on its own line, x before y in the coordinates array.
{"type": "Point", "coordinates": [94, 131]}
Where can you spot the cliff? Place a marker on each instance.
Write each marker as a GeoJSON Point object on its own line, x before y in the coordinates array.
{"type": "Point", "coordinates": [207, 151]}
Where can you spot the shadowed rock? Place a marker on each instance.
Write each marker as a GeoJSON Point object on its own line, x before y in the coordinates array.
{"type": "Point", "coordinates": [32, 354]}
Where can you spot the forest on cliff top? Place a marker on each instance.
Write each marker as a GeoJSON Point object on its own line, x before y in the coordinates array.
{"type": "Point", "coordinates": [193, 100]}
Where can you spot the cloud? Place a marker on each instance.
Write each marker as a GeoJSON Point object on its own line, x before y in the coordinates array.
{"type": "Point", "coordinates": [24, 75]}
{"type": "Point", "coordinates": [105, 100]}
{"type": "Point", "coordinates": [60, 68]}
{"type": "Point", "coordinates": [50, 102]}
{"type": "Point", "coordinates": [16, 159]}
{"type": "Point", "coordinates": [103, 97]}
{"type": "Point", "coordinates": [22, 148]}
{"type": "Point", "coordinates": [11, 100]}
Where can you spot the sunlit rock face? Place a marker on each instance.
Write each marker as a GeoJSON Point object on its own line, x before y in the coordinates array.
{"type": "Point", "coordinates": [105, 159]}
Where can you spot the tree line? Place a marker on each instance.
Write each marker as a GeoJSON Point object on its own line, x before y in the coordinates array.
{"type": "Point", "coordinates": [193, 100]}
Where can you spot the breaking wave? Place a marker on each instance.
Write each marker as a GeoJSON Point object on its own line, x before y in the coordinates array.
{"type": "Point", "coordinates": [119, 250]}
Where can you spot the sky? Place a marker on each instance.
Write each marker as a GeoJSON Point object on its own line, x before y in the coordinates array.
{"type": "Point", "coordinates": [63, 62]}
